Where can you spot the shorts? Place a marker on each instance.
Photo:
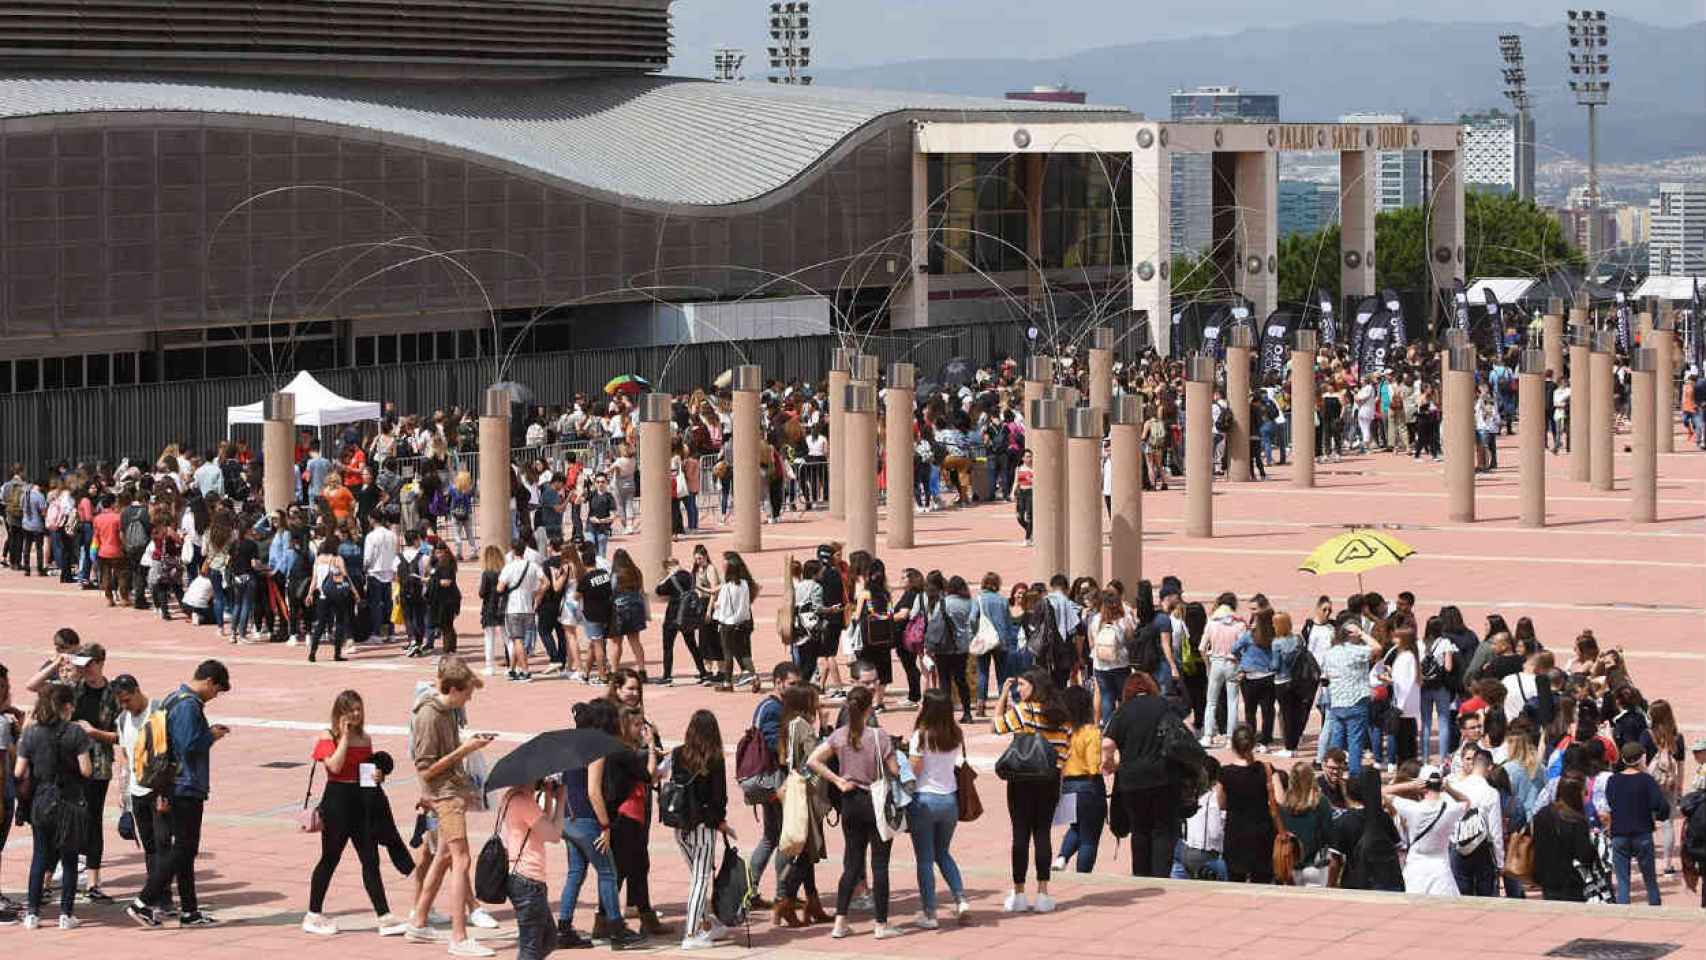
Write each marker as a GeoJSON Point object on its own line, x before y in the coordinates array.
{"type": "Point", "coordinates": [523, 627]}
{"type": "Point", "coordinates": [452, 816]}
{"type": "Point", "coordinates": [594, 631]}
{"type": "Point", "coordinates": [630, 613]}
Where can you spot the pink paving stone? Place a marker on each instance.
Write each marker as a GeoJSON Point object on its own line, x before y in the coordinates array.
{"type": "Point", "coordinates": [1636, 586]}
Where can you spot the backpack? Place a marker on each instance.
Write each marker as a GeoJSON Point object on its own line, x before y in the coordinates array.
{"type": "Point", "coordinates": [135, 533]}
{"type": "Point", "coordinates": [757, 773]}
{"type": "Point", "coordinates": [15, 500]}
{"type": "Point", "coordinates": [1469, 834]}
{"type": "Point", "coordinates": [1305, 670]}
{"type": "Point", "coordinates": [1693, 807]}
{"type": "Point", "coordinates": [675, 804]}
{"type": "Point", "coordinates": [1107, 645]}
{"type": "Point", "coordinates": [732, 889]}
{"type": "Point", "coordinates": [152, 764]}
{"type": "Point", "coordinates": [1223, 422]}
{"type": "Point", "coordinates": [1433, 672]}
{"type": "Point", "coordinates": [1144, 649]}
{"type": "Point", "coordinates": [493, 867]}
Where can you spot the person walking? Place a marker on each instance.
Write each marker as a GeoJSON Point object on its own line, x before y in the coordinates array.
{"type": "Point", "coordinates": [1029, 705]}
{"type": "Point", "coordinates": [863, 755]}
{"type": "Point", "coordinates": [935, 752]}
{"type": "Point", "coordinates": [697, 766]}
{"type": "Point", "coordinates": [491, 609]}
{"type": "Point", "coordinates": [1223, 631]}
{"type": "Point", "coordinates": [330, 595]}
{"type": "Point", "coordinates": [345, 752]}
{"type": "Point", "coordinates": [799, 739]}
{"type": "Point", "coordinates": [733, 615]}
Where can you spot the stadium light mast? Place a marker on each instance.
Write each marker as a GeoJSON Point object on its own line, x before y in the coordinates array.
{"type": "Point", "coordinates": [790, 27]}
{"type": "Point", "coordinates": [1516, 91]}
{"type": "Point", "coordinates": [1590, 81]}
{"type": "Point", "coordinates": [726, 63]}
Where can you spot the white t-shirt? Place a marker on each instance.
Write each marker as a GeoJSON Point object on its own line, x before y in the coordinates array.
{"type": "Point", "coordinates": [199, 593]}
{"type": "Point", "coordinates": [521, 576]}
{"type": "Point", "coordinates": [129, 725]}
{"type": "Point", "coordinates": [1206, 829]}
{"type": "Point", "coordinates": [1485, 800]}
{"type": "Point", "coordinates": [1519, 687]}
{"type": "Point", "coordinates": [938, 773]}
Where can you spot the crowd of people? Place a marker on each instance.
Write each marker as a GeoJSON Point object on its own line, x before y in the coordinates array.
{"type": "Point", "coordinates": [1448, 761]}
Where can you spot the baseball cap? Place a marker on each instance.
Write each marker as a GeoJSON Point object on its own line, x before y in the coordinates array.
{"type": "Point", "coordinates": [1430, 773]}
{"type": "Point", "coordinates": [1699, 745]}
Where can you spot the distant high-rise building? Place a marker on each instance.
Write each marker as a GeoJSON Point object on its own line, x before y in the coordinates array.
{"type": "Point", "coordinates": [1306, 206]}
{"type": "Point", "coordinates": [1490, 151]}
{"type": "Point", "coordinates": [1398, 173]}
{"type": "Point", "coordinates": [1634, 223]}
{"type": "Point", "coordinates": [1573, 219]}
{"type": "Point", "coordinates": [1676, 245]}
{"type": "Point", "coordinates": [1048, 94]}
{"type": "Point", "coordinates": [1193, 173]}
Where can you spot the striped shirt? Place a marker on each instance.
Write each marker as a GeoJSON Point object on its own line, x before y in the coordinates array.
{"type": "Point", "coordinates": [1027, 717]}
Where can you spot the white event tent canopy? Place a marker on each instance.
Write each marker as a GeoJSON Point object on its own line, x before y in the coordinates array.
{"type": "Point", "coordinates": [316, 406]}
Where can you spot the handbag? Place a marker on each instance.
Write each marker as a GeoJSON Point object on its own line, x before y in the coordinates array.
{"type": "Point", "coordinates": [1028, 757]}
{"type": "Point", "coordinates": [965, 789]}
{"type": "Point", "coordinates": [1519, 855]}
{"type": "Point", "coordinates": [986, 639]}
{"type": "Point", "coordinates": [1286, 856]}
{"type": "Point", "coordinates": [851, 641]}
{"type": "Point", "coordinates": [796, 817]}
{"type": "Point", "coordinates": [308, 818]}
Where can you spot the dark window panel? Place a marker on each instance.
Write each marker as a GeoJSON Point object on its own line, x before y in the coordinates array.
{"type": "Point", "coordinates": [364, 351]}
{"type": "Point", "coordinates": [185, 364]}
{"type": "Point", "coordinates": [408, 348]}
{"type": "Point", "coordinates": [387, 344]}
{"type": "Point", "coordinates": [98, 369]}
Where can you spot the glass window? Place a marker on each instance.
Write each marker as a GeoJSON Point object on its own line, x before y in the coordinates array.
{"type": "Point", "coordinates": [364, 351]}
{"type": "Point", "coordinates": [467, 344]}
{"type": "Point", "coordinates": [486, 347]}
{"type": "Point", "coordinates": [408, 348]}
{"type": "Point", "coordinates": [52, 373]}
{"type": "Point", "coordinates": [124, 368]}
{"type": "Point", "coordinates": [387, 344]}
{"type": "Point", "coordinates": [446, 344]}
{"type": "Point", "coordinates": [232, 361]}
{"type": "Point", "coordinates": [183, 364]}
{"type": "Point", "coordinates": [317, 354]}
{"type": "Point", "coordinates": [98, 368]}
{"type": "Point", "coordinates": [5, 376]}
{"type": "Point", "coordinates": [72, 378]}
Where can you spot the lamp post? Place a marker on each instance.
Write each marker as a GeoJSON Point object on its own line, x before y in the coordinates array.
{"type": "Point", "coordinates": [726, 63]}
{"type": "Point", "coordinates": [1516, 91]}
{"type": "Point", "coordinates": [790, 26]}
{"type": "Point", "coordinates": [1590, 81]}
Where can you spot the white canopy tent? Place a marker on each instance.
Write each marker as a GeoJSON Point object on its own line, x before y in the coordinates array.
{"type": "Point", "coordinates": [316, 406]}
{"type": "Point", "coordinates": [1507, 289]}
{"type": "Point", "coordinates": [1675, 289]}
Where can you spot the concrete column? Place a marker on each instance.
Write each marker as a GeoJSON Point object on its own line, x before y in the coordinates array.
{"type": "Point", "coordinates": [898, 405]}
{"type": "Point", "coordinates": [492, 521]}
{"type": "Point", "coordinates": [860, 412]}
{"type": "Point", "coordinates": [1445, 234]}
{"type": "Point", "coordinates": [1199, 445]}
{"type": "Point", "coordinates": [1039, 377]}
{"type": "Point", "coordinates": [1460, 430]}
{"type": "Point", "coordinates": [1240, 344]}
{"type": "Point", "coordinates": [1303, 347]}
{"type": "Point", "coordinates": [1581, 391]}
{"type": "Point", "coordinates": [1643, 410]}
{"type": "Point", "coordinates": [1552, 338]}
{"type": "Point", "coordinates": [748, 440]}
{"type": "Point", "coordinates": [1068, 398]}
{"type": "Point", "coordinates": [1047, 443]}
{"type": "Point", "coordinates": [840, 373]}
{"type": "Point", "coordinates": [1531, 436]}
{"type": "Point", "coordinates": [1257, 194]}
{"type": "Point", "coordinates": [278, 450]}
{"type": "Point", "coordinates": [1102, 370]}
{"type": "Point", "coordinates": [1602, 415]}
{"type": "Point", "coordinates": [1125, 534]}
{"type": "Point", "coordinates": [1084, 501]}
{"type": "Point", "coordinates": [655, 487]}
{"type": "Point", "coordinates": [1664, 378]}
{"type": "Point", "coordinates": [912, 307]}
{"type": "Point", "coordinates": [1453, 340]}
{"type": "Point", "coordinates": [1152, 234]}
{"type": "Point", "coordinates": [1357, 176]}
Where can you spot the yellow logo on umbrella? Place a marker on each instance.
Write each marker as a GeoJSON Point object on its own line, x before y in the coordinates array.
{"type": "Point", "coordinates": [1357, 552]}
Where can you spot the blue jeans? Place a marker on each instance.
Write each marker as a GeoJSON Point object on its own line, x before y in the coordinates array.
{"type": "Point", "coordinates": [1436, 702]}
{"type": "Point", "coordinates": [600, 537]}
{"type": "Point", "coordinates": [1217, 866]}
{"type": "Point", "coordinates": [379, 606]}
{"type": "Point", "coordinates": [933, 817]}
{"type": "Point", "coordinates": [218, 579]}
{"type": "Point", "coordinates": [1085, 834]}
{"type": "Point", "coordinates": [993, 662]}
{"type": "Point", "coordinates": [242, 604]}
{"type": "Point", "coordinates": [1112, 684]}
{"type": "Point", "coordinates": [579, 835]}
{"type": "Point", "coordinates": [43, 858]}
{"type": "Point", "coordinates": [1348, 728]}
{"type": "Point", "coordinates": [1639, 849]}
{"type": "Point", "coordinates": [85, 536]}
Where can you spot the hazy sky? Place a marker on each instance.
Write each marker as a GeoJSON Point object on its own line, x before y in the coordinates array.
{"type": "Point", "coordinates": [863, 32]}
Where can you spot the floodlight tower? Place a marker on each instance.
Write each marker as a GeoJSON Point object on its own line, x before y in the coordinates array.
{"type": "Point", "coordinates": [726, 63]}
{"type": "Point", "coordinates": [790, 27]}
{"type": "Point", "coordinates": [1590, 81]}
{"type": "Point", "coordinates": [1516, 91]}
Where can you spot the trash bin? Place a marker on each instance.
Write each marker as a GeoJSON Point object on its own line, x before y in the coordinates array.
{"type": "Point", "coordinates": [982, 480]}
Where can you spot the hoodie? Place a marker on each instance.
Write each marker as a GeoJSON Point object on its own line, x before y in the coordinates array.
{"type": "Point", "coordinates": [433, 734]}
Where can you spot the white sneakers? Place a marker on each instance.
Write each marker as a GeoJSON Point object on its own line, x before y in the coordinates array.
{"type": "Point", "coordinates": [887, 931]}
{"type": "Point", "coordinates": [962, 909]}
{"type": "Point", "coordinates": [1059, 864]}
{"type": "Point", "coordinates": [470, 948]}
{"type": "Point", "coordinates": [719, 932]}
{"type": "Point", "coordinates": [1044, 904]}
{"type": "Point", "coordinates": [415, 934]}
{"type": "Point", "coordinates": [925, 922]}
{"type": "Point", "coordinates": [319, 925]}
{"type": "Point", "coordinates": [1015, 903]}
{"type": "Point", "coordinates": [841, 932]}
{"type": "Point", "coordinates": [697, 941]}
{"type": "Point", "coordinates": [67, 922]}
{"type": "Point", "coordinates": [391, 926]}
{"type": "Point", "coordinates": [1281, 753]}
{"type": "Point", "coordinates": [480, 918]}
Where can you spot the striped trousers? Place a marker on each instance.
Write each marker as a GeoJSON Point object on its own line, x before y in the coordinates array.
{"type": "Point", "coordinates": [698, 847]}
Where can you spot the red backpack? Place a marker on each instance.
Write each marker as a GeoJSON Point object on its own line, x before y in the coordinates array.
{"type": "Point", "coordinates": [757, 772]}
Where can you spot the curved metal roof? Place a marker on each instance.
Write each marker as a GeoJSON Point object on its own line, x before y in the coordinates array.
{"type": "Point", "coordinates": [660, 139]}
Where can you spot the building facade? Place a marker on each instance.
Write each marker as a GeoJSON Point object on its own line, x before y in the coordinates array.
{"type": "Point", "coordinates": [1400, 175]}
{"type": "Point", "coordinates": [1490, 151]}
{"type": "Point", "coordinates": [1676, 243]}
{"type": "Point", "coordinates": [1306, 206]}
{"type": "Point", "coordinates": [1193, 174]}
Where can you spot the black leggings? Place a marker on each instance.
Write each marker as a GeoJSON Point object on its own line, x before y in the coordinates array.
{"type": "Point", "coordinates": [1294, 712]}
{"type": "Point", "coordinates": [1259, 696]}
{"type": "Point", "coordinates": [689, 638]}
{"type": "Point", "coordinates": [799, 872]}
{"type": "Point", "coordinates": [94, 842]}
{"type": "Point", "coordinates": [1030, 807]}
{"type": "Point", "coordinates": [632, 858]}
{"type": "Point", "coordinates": [859, 827]}
{"type": "Point", "coordinates": [344, 819]}
{"type": "Point", "coordinates": [952, 667]}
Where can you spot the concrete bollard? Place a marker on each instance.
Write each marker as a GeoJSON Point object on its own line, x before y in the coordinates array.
{"type": "Point", "coordinates": [1531, 439]}
{"type": "Point", "coordinates": [1084, 499]}
{"type": "Point", "coordinates": [749, 440]}
{"type": "Point", "coordinates": [1199, 445]}
{"type": "Point", "coordinates": [1125, 520]}
{"type": "Point", "coordinates": [278, 450]}
{"type": "Point", "coordinates": [1047, 442]}
{"type": "Point", "coordinates": [899, 402]}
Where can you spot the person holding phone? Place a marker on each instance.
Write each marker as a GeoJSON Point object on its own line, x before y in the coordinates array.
{"type": "Point", "coordinates": [343, 750]}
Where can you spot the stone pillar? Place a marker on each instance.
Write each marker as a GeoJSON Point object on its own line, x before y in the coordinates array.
{"type": "Point", "coordinates": [1125, 519]}
{"type": "Point", "coordinates": [1643, 410]}
{"type": "Point", "coordinates": [1302, 422]}
{"type": "Point", "coordinates": [1460, 431]}
{"type": "Point", "coordinates": [1531, 436]}
{"type": "Point", "coordinates": [1240, 344]}
{"type": "Point", "coordinates": [1256, 193]}
{"type": "Point", "coordinates": [1581, 391]}
{"type": "Point", "coordinates": [1552, 338]}
{"type": "Point", "coordinates": [1664, 378]}
{"type": "Point", "coordinates": [1199, 445]}
{"type": "Point", "coordinates": [278, 450]}
{"type": "Point", "coordinates": [840, 373]}
{"type": "Point", "coordinates": [1151, 234]}
{"type": "Point", "coordinates": [1043, 434]}
{"type": "Point", "coordinates": [1357, 182]}
{"type": "Point", "coordinates": [1039, 376]}
{"type": "Point", "coordinates": [898, 404]}
{"type": "Point", "coordinates": [912, 307]}
{"type": "Point", "coordinates": [859, 411]}
{"type": "Point", "coordinates": [1068, 398]}
{"type": "Point", "coordinates": [1445, 224]}
{"type": "Point", "coordinates": [1102, 371]}
{"type": "Point", "coordinates": [1601, 411]}
{"type": "Point", "coordinates": [748, 440]}
{"type": "Point", "coordinates": [1084, 501]}
{"type": "Point", "coordinates": [656, 487]}
{"type": "Point", "coordinates": [492, 520]}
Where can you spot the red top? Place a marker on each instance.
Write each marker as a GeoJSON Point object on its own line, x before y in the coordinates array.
{"type": "Point", "coordinates": [354, 757]}
{"type": "Point", "coordinates": [634, 807]}
{"type": "Point", "coordinates": [1025, 476]}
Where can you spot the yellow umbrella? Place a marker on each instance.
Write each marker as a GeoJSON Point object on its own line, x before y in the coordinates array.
{"type": "Point", "coordinates": [1356, 552]}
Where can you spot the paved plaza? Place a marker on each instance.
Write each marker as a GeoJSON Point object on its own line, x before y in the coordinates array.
{"type": "Point", "coordinates": [1639, 587]}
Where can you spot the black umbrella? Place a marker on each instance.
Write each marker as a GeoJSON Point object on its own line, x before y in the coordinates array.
{"type": "Point", "coordinates": [551, 752]}
{"type": "Point", "coordinates": [958, 372]}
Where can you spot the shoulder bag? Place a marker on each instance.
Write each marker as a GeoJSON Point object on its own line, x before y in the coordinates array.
{"type": "Point", "coordinates": [1028, 757]}
{"type": "Point", "coordinates": [308, 818]}
{"type": "Point", "coordinates": [965, 789]}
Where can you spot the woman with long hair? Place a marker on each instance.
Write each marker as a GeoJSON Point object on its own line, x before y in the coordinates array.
{"type": "Point", "coordinates": [708, 583]}
{"type": "Point", "coordinates": [1030, 705]}
{"type": "Point", "coordinates": [697, 765]}
{"type": "Point", "coordinates": [330, 593]}
{"type": "Point", "coordinates": [444, 595]}
{"type": "Point", "coordinates": [1082, 776]}
{"type": "Point", "coordinates": [906, 607]}
{"type": "Point", "coordinates": [492, 605]}
{"type": "Point", "coordinates": [628, 779]}
{"type": "Point", "coordinates": [632, 610]}
{"type": "Point", "coordinates": [953, 661]}
{"type": "Point", "coordinates": [56, 755]}
{"type": "Point", "coordinates": [1110, 632]}
{"type": "Point", "coordinates": [863, 755]}
{"type": "Point", "coordinates": [1402, 670]}
{"type": "Point", "coordinates": [1195, 619]}
{"type": "Point", "coordinates": [936, 751]}
{"type": "Point", "coordinates": [565, 579]}
{"type": "Point", "coordinates": [733, 614]}
{"type": "Point", "coordinates": [1522, 763]}
{"type": "Point", "coordinates": [587, 830]}
{"type": "Point", "coordinates": [799, 740]}
{"type": "Point", "coordinates": [1308, 817]}
{"type": "Point", "coordinates": [343, 749]}
{"type": "Point", "coordinates": [1663, 744]}
{"type": "Point", "coordinates": [1254, 654]}
{"type": "Point", "coordinates": [1246, 791]}
{"type": "Point", "coordinates": [996, 609]}
{"type": "Point", "coordinates": [1561, 841]}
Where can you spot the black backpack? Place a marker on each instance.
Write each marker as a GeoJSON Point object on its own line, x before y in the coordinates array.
{"type": "Point", "coordinates": [1144, 649]}
{"type": "Point", "coordinates": [1305, 670]}
{"type": "Point", "coordinates": [1433, 672]}
{"type": "Point", "coordinates": [1693, 807]}
{"type": "Point", "coordinates": [493, 867]}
